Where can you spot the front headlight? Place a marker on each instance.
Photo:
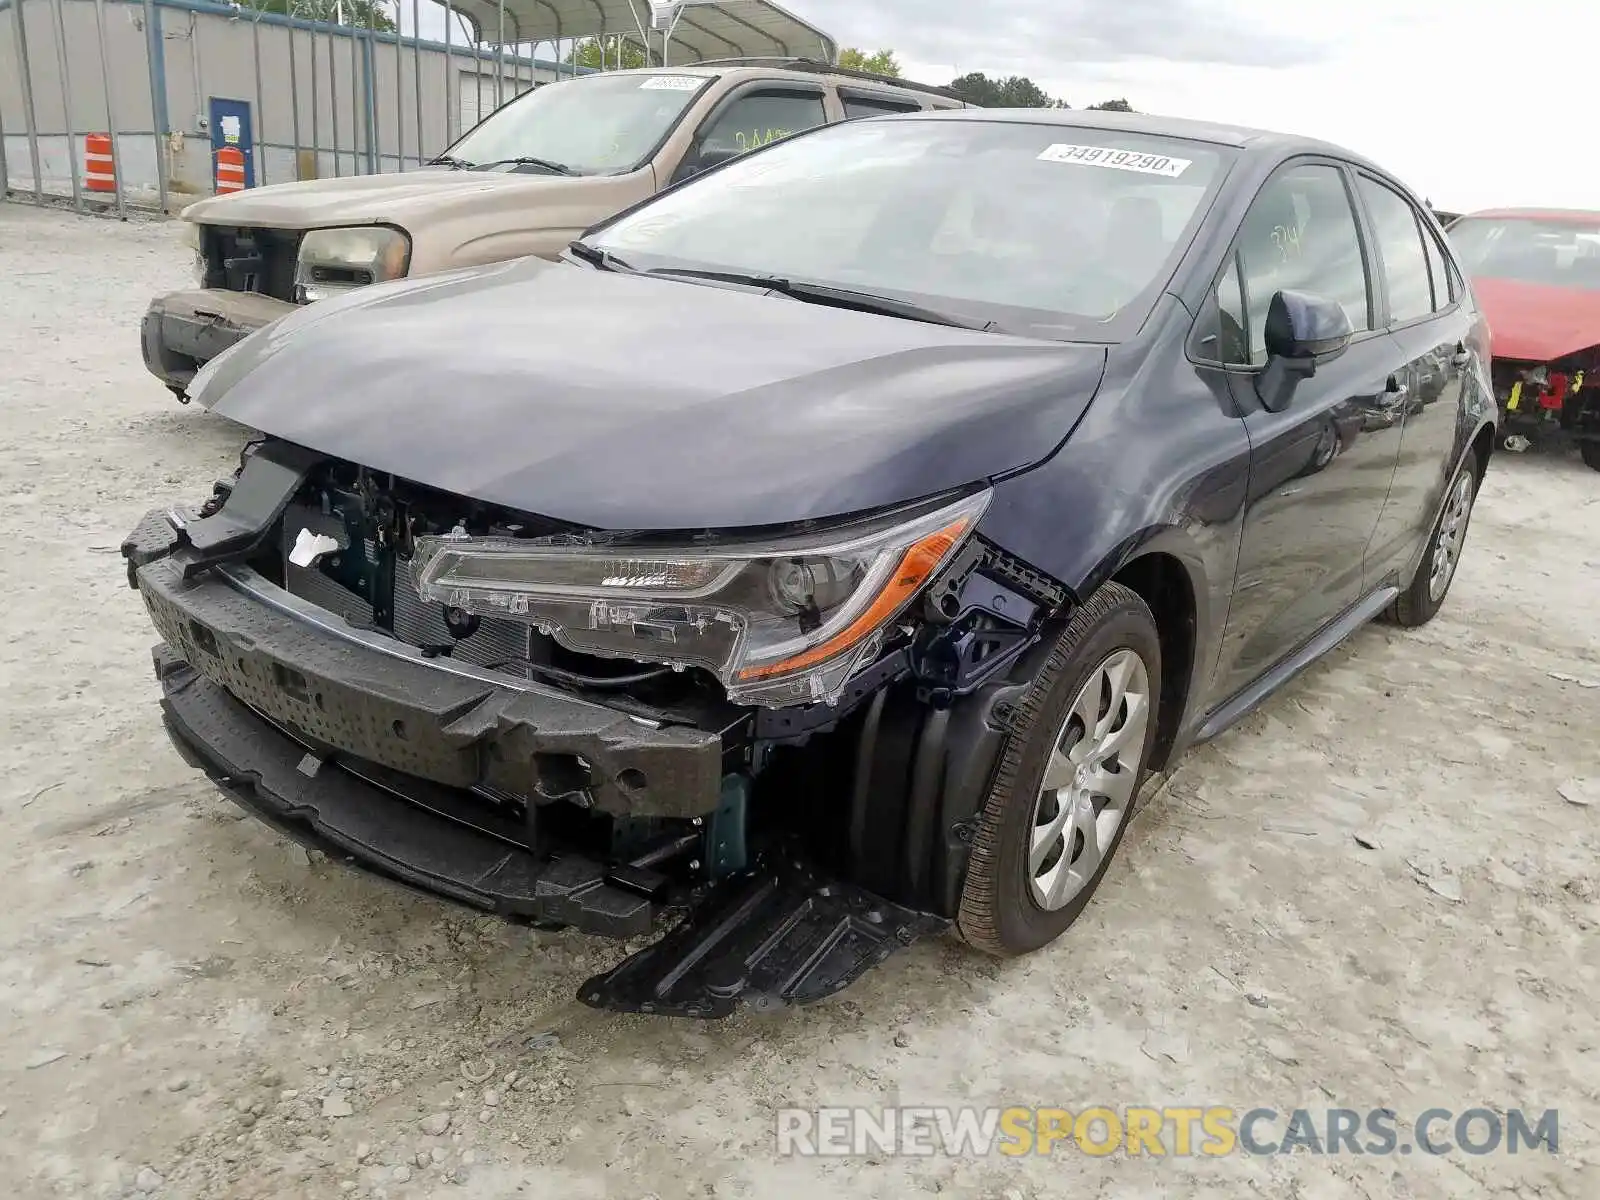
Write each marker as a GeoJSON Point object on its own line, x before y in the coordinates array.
{"type": "Point", "coordinates": [333, 261]}
{"type": "Point", "coordinates": [194, 238]}
{"type": "Point", "coordinates": [779, 623]}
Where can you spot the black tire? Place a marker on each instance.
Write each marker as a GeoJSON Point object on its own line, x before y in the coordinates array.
{"type": "Point", "coordinates": [1417, 604]}
{"type": "Point", "coordinates": [998, 913]}
{"type": "Point", "coordinates": [1591, 454]}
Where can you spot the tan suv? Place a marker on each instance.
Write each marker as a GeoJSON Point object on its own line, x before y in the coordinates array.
{"type": "Point", "coordinates": [527, 180]}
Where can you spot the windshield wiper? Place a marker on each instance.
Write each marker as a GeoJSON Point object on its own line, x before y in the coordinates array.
{"type": "Point", "coordinates": [446, 160]}
{"type": "Point", "coordinates": [543, 164]}
{"type": "Point", "coordinates": [835, 297]}
{"type": "Point", "coordinates": [596, 257]}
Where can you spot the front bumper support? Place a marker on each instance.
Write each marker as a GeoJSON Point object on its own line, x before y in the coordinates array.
{"type": "Point", "coordinates": [379, 700]}
{"type": "Point", "coordinates": [183, 331]}
{"type": "Point", "coordinates": [423, 840]}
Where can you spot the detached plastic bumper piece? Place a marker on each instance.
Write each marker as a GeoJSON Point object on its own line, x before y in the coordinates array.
{"type": "Point", "coordinates": [784, 936]}
{"type": "Point", "coordinates": [185, 330]}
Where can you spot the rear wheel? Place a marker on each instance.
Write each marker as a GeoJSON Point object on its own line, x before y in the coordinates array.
{"type": "Point", "coordinates": [1423, 598]}
{"type": "Point", "coordinates": [1067, 779]}
{"type": "Point", "coordinates": [1591, 453]}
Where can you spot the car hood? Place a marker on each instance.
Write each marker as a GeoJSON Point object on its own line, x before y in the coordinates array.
{"type": "Point", "coordinates": [1536, 323]}
{"type": "Point", "coordinates": [382, 199]}
{"type": "Point", "coordinates": [623, 402]}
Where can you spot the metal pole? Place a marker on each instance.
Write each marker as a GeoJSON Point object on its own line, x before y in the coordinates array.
{"type": "Point", "coordinates": [5, 180]}
{"type": "Point", "coordinates": [261, 112]}
{"type": "Point", "coordinates": [294, 98]}
{"type": "Point", "coordinates": [66, 102]}
{"type": "Point", "coordinates": [450, 109]}
{"type": "Point", "coordinates": [333, 99]}
{"type": "Point", "coordinates": [111, 106]}
{"type": "Point", "coordinates": [500, 58]}
{"type": "Point", "coordinates": [355, 111]}
{"type": "Point", "coordinates": [158, 99]}
{"type": "Point", "coordinates": [416, 75]}
{"type": "Point", "coordinates": [29, 117]}
{"type": "Point", "coordinates": [316, 114]}
{"type": "Point", "coordinates": [369, 92]}
{"type": "Point", "coordinates": [399, 97]}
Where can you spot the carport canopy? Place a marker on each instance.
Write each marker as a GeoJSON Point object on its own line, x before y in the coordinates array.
{"type": "Point", "coordinates": [688, 30]}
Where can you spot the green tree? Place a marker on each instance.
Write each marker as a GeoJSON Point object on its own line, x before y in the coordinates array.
{"type": "Point", "coordinates": [1014, 91]}
{"type": "Point", "coordinates": [1113, 106]}
{"type": "Point", "coordinates": [883, 62]}
{"type": "Point", "coordinates": [363, 14]}
{"type": "Point", "coordinates": [587, 54]}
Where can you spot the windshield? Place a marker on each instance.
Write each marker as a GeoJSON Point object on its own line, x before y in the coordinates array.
{"type": "Point", "coordinates": [596, 125]}
{"type": "Point", "coordinates": [1564, 254]}
{"type": "Point", "coordinates": [1047, 230]}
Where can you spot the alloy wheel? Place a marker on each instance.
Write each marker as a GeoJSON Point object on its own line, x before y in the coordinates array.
{"type": "Point", "coordinates": [1089, 783]}
{"type": "Point", "coordinates": [1452, 532]}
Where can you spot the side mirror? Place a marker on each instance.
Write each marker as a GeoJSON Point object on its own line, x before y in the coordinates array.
{"type": "Point", "coordinates": [1302, 331]}
{"type": "Point", "coordinates": [706, 158]}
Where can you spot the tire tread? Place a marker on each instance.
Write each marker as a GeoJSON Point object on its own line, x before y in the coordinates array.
{"type": "Point", "coordinates": [977, 920]}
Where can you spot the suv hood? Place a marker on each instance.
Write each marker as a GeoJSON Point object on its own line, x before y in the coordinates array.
{"type": "Point", "coordinates": [382, 199]}
{"type": "Point", "coordinates": [1533, 322]}
{"type": "Point", "coordinates": [626, 402]}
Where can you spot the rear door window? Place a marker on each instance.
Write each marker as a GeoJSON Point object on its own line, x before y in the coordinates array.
{"type": "Point", "coordinates": [1400, 249]}
{"type": "Point", "coordinates": [1443, 292]}
{"type": "Point", "coordinates": [876, 106]}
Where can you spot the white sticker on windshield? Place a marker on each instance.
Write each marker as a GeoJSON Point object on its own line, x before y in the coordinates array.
{"type": "Point", "coordinates": [672, 83]}
{"type": "Point", "coordinates": [1121, 160]}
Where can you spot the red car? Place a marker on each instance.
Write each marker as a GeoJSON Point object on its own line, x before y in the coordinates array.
{"type": "Point", "coordinates": [1536, 273]}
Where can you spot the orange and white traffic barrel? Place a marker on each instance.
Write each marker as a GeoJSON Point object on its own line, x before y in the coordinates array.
{"type": "Point", "coordinates": [99, 168]}
{"type": "Point", "coordinates": [230, 170]}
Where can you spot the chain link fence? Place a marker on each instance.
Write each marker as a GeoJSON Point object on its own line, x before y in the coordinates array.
{"type": "Point", "coordinates": [111, 105]}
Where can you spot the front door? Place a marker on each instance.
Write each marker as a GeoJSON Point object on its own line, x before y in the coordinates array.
{"type": "Point", "coordinates": [1320, 469]}
{"type": "Point", "coordinates": [754, 116]}
{"type": "Point", "coordinates": [231, 127]}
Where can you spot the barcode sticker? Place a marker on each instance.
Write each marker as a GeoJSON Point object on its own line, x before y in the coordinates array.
{"type": "Point", "coordinates": [672, 83]}
{"type": "Point", "coordinates": [1119, 160]}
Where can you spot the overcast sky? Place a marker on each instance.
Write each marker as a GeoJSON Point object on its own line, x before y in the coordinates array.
{"type": "Point", "coordinates": [1472, 104]}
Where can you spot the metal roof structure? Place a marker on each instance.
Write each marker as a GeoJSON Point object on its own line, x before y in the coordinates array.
{"type": "Point", "coordinates": [672, 32]}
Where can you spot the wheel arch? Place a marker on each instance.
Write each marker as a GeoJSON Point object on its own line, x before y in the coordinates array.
{"type": "Point", "coordinates": [1164, 582]}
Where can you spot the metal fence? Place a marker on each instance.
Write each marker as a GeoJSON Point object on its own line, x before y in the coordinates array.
{"type": "Point", "coordinates": [109, 105]}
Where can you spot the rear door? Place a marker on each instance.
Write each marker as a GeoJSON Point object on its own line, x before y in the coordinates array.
{"type": "Point", "coordinates": [1425, 311]}
{"type": "Point", "coordinates": [1320, 469]}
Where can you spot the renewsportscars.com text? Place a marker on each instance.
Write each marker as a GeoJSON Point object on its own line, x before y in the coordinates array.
{"type": "Point", "coordinates": [1210, 1131]}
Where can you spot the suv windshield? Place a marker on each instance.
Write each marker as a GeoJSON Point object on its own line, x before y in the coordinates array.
{"type": "Point", "coordinates": [1564, 254]}
{"type": "Point", "coordinates": [1044, 229]}
{"type": "Point", "coordinates": [596, 125]}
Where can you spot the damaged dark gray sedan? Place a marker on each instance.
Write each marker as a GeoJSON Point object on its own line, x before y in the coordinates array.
{"type": "Point", "coordinates": [821, 555]}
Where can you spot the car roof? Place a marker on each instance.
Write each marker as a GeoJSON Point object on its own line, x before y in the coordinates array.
{"type": "Point", "coordinates": [793, 68]}
{"type": "Point", "coordinates": [1577, 216]}
{"type": "Point", "coordinates": [1238, 137]}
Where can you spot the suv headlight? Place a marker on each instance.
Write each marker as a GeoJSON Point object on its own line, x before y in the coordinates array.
{"type": "Point", "coordinates": [782, 622]}
{"type": "Point", "coordinates": [333, 261]}
{"type": "Point", "coordinates": [194, 238]}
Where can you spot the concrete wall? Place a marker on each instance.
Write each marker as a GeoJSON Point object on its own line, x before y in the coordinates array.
{"type": "Point", "coordinates": [334, 96]}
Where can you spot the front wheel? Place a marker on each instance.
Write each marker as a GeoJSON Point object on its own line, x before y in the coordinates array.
{"type": "Point", "coordinates": [1591, 453]}
{"type": "Point", "coordinates": [1065, 787]}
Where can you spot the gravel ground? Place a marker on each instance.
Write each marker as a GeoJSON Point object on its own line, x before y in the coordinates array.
{"type": "Point", "coordinates": [189, 1006]}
